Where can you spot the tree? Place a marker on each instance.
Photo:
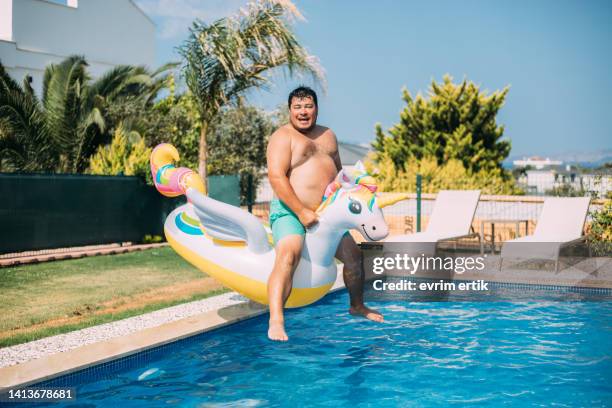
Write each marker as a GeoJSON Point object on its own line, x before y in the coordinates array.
{"type": "Point", "coordinates": [63, 129]}
{"type": "Point", "coordinates": [230, 56]}
{"type": "Point", "coordinates": [24, 135]}
{"type": "Point", "coordinates": [238, 144]}
{"type": "Point", "coordinates": [455, 129]}
{"type": "Point", "coordinates": [456, 122]}
{"type": "Point", "coordinates": [607, 166]}
{"type": "Point", "coordinates": [175, 120]}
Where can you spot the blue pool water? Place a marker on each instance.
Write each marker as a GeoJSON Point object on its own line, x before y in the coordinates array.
{"type": "Point", "coordinates": [425, 354]}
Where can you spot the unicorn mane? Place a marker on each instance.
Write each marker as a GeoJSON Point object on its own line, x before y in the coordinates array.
{"type": "Point", "coordinates": [358, 184]}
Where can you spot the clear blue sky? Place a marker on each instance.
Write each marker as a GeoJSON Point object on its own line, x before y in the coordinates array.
{"type": "Point", "coordinates": [555, 56]}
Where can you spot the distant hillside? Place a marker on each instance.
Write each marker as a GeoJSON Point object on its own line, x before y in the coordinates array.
{"type": "Point", "coordinates": [583, 159]}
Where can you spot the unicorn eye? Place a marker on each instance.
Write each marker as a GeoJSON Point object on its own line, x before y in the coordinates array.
{"type": "Point", "coordinates": [355, 207]}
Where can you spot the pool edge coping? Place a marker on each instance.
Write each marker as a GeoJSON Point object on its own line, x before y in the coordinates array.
{"type": "Point", "coordinates": [59, 364]}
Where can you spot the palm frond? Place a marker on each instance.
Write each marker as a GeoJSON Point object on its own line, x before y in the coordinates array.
{"type": "Point", "coordinates": [24, 136]}
{"type": "Point", "coordinates": [60, 132]}
{"type": "Point", "coordinates": [6, 82]}
{"type": "Point", "coordinates": [95, 118]}
{"type": "Point", "coordinates": [48, 74]}
{"type": "Point", "coordinates": [166, 68]}
{"type": "Point", "coordinates": [63, 100]}
{"type": "Point", "coordinates": [231, 55]}
{"type": "Point", "coordinates": [112, 83]}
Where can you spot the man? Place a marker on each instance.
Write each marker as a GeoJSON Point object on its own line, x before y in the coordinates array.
{"type": "Point", "coordinates": [302, 160]}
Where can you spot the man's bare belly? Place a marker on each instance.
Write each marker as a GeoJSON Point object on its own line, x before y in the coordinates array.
{"type": "Point", "coordinates": [311, 177]}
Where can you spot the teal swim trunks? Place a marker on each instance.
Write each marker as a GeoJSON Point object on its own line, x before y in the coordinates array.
{"type": "Point", "coordinates": [284, 222]}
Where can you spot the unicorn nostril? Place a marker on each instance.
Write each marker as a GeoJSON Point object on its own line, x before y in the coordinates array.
{"type": "Point", "coordinates": [374, 227]}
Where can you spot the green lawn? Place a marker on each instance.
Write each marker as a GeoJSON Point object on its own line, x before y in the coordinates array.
{"type": "Point", "coordinates": [55, 297]}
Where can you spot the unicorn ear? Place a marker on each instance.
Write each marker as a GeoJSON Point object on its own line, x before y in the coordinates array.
{"type": "Point", "coordinates": [359, 167]}
{"type": "Point", "coordinates": [343, 179]}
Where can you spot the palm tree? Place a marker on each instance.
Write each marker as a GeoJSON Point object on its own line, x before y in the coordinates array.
{"type": "Point", "coordinates": [228, 57]}
{"type": "Point", "coordinates": [63, 129]}
{"type": "Point", "coordinates": [23, 132]}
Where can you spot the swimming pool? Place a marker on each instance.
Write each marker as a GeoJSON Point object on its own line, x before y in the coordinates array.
{"type": "Point", "coordinates": [425, 354]}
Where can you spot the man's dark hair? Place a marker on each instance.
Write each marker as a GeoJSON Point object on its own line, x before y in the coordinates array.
{"type": "Point", "coordinates": [302, 92]}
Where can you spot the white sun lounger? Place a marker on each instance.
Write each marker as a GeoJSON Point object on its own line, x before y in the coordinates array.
{"type": "Point", "coordinates": [560, 224]}
{"type": "Point", "coordinates": [451, 219]}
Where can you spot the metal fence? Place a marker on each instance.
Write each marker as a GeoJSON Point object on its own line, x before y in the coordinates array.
{"type": "Point", "coordinates": [514, 216]}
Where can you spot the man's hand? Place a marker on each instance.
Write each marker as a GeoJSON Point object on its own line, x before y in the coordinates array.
{"type": "Point", "coordinates": [308, 218]}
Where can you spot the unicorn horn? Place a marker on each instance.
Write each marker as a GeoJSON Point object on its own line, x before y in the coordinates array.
{"type": "Point", "coordinates": [391, 199]}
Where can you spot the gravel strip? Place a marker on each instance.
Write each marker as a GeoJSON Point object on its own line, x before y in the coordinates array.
{"type": "Point", "coordinates": [63, 342]}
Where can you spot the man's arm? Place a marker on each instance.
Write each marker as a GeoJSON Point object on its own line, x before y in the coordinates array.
{"type": "Point", "coordinates": [279, 162]}
{"type": "Point", "coordinates": [337, 160]}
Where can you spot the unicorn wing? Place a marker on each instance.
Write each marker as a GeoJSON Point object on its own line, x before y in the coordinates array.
{"type": "Point", "coordinates": [226, 222]}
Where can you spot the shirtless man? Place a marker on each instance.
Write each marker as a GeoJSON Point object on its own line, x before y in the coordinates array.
{"type": "Point", "coordinates": [302, 160]}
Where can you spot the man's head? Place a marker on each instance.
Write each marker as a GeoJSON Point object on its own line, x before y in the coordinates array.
{"type": "Point", "coordinates": [302, 103]}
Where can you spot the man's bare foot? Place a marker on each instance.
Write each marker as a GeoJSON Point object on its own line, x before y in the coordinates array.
{"type": "Point", "coordinates": [366, 312]}
{"type": "Point", "coordinates": [276, 331]}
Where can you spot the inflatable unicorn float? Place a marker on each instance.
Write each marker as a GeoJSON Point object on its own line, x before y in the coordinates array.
{"type": "Point", "coordinates": [233, 246]}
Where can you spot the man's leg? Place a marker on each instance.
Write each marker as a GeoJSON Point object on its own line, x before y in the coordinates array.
{"type": "Point", "coordinates": [288, 252]}
{"type": "Point", "coordinates": [349, 253]}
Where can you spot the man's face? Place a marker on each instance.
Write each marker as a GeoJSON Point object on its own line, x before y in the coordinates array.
{"type": "Point", "coordinates": [303, 113]}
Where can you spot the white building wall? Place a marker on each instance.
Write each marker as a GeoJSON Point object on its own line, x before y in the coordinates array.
{"type": "Point", "coordinates": [106, 32]}
{"type": "Point", "coordinates": [6, 20]}
{"type": "Point", "coordinates": [541, 180]}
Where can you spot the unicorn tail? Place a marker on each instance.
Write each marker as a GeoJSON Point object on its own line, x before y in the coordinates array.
{"type": "Point", "coordinates": [170, 180]}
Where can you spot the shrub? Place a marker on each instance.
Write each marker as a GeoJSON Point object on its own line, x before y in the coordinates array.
{"type": "Point", "coordinates": [600, 232]}
{"type": "Point", "coordinates": [450, 175]}
{"type": "Point", "coordinates": [126, 155]}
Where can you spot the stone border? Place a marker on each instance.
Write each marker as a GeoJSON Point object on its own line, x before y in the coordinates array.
{"type": "Point", "coordinates": [72, 253]}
